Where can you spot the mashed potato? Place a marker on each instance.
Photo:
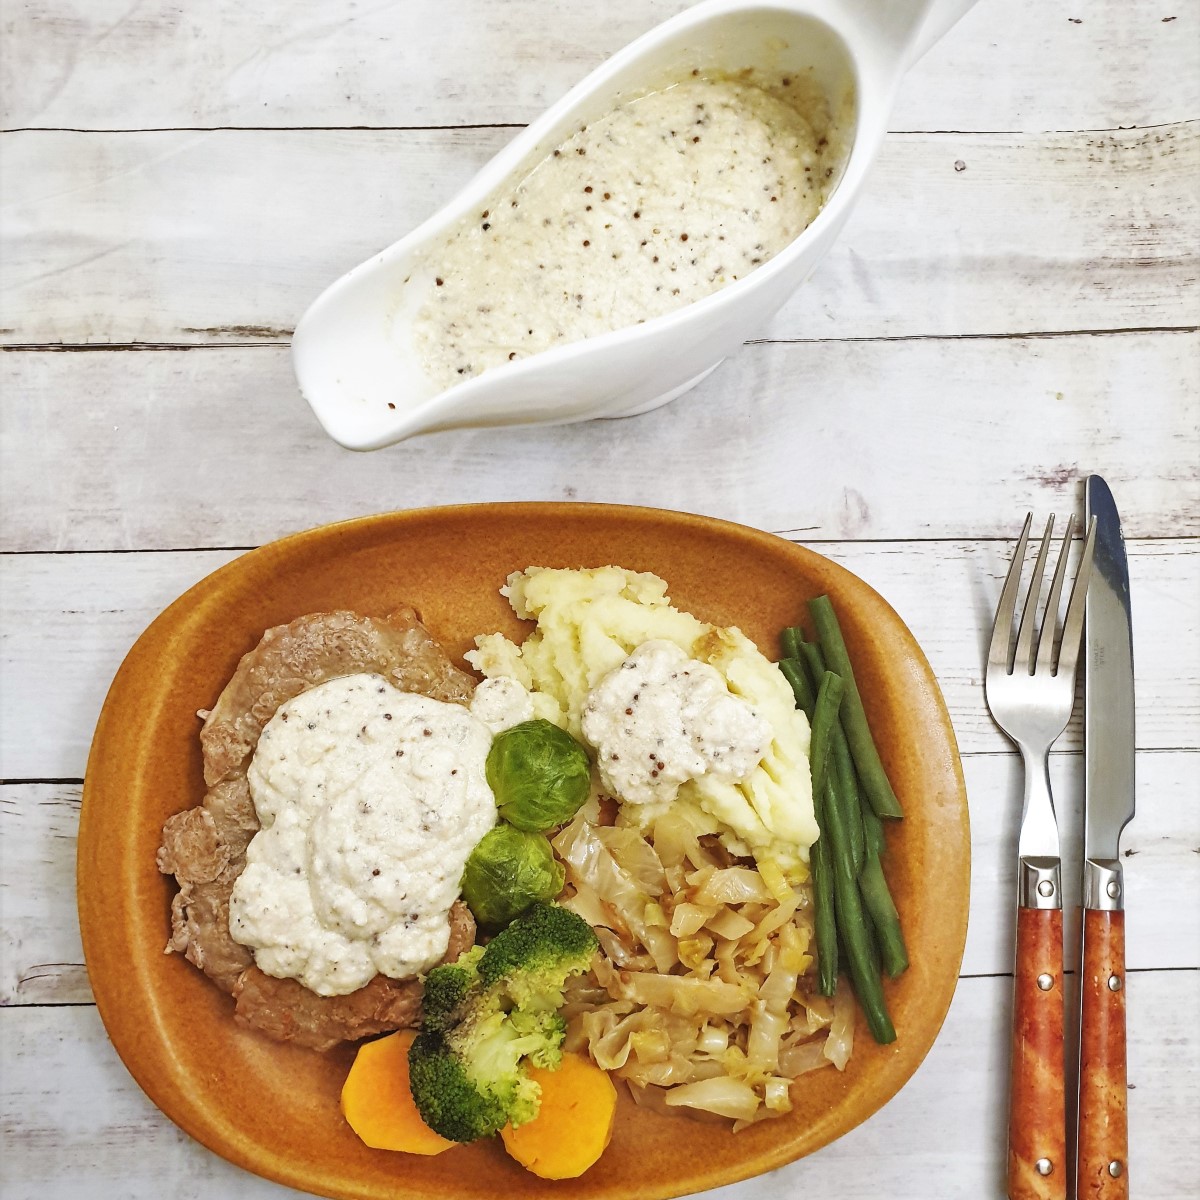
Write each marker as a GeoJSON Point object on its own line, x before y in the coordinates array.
{"type": "Point", "coordinates": [590, 621]}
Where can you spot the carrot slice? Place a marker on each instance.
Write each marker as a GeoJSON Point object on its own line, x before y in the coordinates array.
{"type": "Point", "coordinates": [377, 1100]}
{"type": "Point", "coordinates": [573, 1125]}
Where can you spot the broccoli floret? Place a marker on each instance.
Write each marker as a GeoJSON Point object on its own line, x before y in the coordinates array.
{"type": "Point", "coordinates": [490, 1013]}
{"type": "Point", "coordinates": [536, 955]}
{"type": "Point", "coordinates": [468, 1081]}
{"type": "Point", "coordinates": [448, 1100]}
{"type": "Point", "coordinates": [546, 1029]}
{"type": "Point", "coordinates": [446, 987]}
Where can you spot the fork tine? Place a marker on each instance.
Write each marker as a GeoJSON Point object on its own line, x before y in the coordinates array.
{"type": "Point", "coordinates": [1024, 654]}
{"type": "Point", "coordinates": [1073, 626]}
{"type": "Point", "coordinates": [998, 654]}
{"type": "Point", "coordinates": [1045, 650]}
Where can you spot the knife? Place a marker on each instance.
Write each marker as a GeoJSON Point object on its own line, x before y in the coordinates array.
{"type": "Point", "coordinates": [1102, 1146]}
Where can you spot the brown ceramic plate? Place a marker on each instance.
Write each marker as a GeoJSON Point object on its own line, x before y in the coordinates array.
{"type": "Point", "coordinates": [273, 1109]}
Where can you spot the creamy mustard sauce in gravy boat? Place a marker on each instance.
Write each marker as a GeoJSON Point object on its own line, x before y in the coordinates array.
{"type": "Point", "coordinates": [665, 199]}
{"type": "Point", "coordinates": [540, 324]}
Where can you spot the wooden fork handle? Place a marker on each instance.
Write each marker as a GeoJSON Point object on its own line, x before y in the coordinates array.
{"type": "Point", "coordinates": [1103, 1167]}
{"type": "Point", "coordinates": [1037, 1122]}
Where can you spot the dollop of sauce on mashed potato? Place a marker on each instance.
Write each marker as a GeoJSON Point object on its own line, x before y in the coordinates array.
{"type": "Point", "coordinates": [661, 719]}
{"type": "Point", "coordinates": [666, 198]}
{"type": "Point", "coordinates": [590, 623]}
{"type": "Point", "coordinates": [370, 800]}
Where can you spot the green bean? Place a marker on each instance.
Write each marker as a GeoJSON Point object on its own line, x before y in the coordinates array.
{"type": "Point", "coordinates": [855, 917]}
{"type": "Point", "coordinates": [794, 673]}
{"type": "Point", "coordinates": [791, 640]}
{"type": "Point", "coordinates": [877, 899]}
{"type": "Point", "coordinates": [823, 917]}
{"type": "Point", "coordinates": [822, 869]}
{"type": "Point", "coordinates": [881, 909]}
{"type": "Point", "coordinates": [861, 954]}
{"type": "Point", "coordinates": [847, 782]}
{"type": "Point", "coordinates": [824, 722]}
{"type": "Point", "coordinates": [814, 660]}
{"type": "Point", "coordinates": [873, 831]}
{"type": "Point", "coordinates": [871, 774]}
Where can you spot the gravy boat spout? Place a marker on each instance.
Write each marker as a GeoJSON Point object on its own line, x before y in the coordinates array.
{"type": "Point", "coordinates": [354, 351]}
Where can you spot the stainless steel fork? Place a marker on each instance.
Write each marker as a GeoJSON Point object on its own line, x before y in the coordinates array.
{"type": "Point", "coordinates": [1031, 691]}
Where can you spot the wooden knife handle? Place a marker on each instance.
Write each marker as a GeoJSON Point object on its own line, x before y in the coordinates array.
{"type": "Point", "coordinates": [1103, 1172]}
{"type": "Point", "coordinates": [1037, 1121]}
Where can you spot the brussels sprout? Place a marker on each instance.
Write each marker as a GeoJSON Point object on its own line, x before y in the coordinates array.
{"type": "Point", "coordinates": [540, 775]}
{"type": "Point", "coordinates": [507, 872]}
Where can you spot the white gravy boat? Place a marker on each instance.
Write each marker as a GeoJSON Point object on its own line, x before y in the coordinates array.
{"type": "Point", "coordinates": [352, 353]}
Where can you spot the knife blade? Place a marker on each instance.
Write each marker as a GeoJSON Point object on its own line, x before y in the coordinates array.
{"type": "Point", "coordinates": [1108, 684]}
{"type": "Point", "coordinates": [1102, 1142]}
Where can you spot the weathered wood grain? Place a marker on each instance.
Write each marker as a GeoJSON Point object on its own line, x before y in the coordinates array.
{"type": "Point", "coordinates": [122, 450]}
{"type": "Point", "coordinates": [863, 449]}
{"type": "Point", "coordinates": [41, 961]}
{"type": "Point", "coordinates": [101, 64]}
{"type": "Point", "coordinates": [41, 958]}
{"type": "Point", "coordinates": [92, 608]}
{"type": "Point", "coordinates": [1103, 1156]}
{"type": "Point", "coordinates": [70, 619]}
{"type": "Point", "coordinates": [1159, 846]}
{"type": "Point", "coordinates": [1037, 1122]}
{"type": "Point", "coordinates": [228, 236]}
{"type": "Point", "coordinates": [71, 1112]}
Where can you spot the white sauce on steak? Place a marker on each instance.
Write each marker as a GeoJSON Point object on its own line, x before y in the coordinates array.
{"type": "Point", "coordinates": [660, 202]}
{"type": "Point", "coordinates": [662, 718]}
{"type": "Point", "coordinates": [370, 801]}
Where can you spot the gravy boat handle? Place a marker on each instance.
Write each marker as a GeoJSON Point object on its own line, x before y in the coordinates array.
{"type": "Point", "coordinates": [903, 30]}
{"type": "Point", "coordinates": [936, 17]}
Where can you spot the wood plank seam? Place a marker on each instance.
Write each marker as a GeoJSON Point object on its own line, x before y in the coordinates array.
{"type": "Point", "coordinates": [517, 126]}
{"type": "Point", "coordinates": [282, 335]}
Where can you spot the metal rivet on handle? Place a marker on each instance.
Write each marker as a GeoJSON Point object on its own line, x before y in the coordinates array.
{"type": "Point", "coordinates": [1045, 888]}
{"type": "Point", "coordinates": [1045, 1166]}
{"type": "Point", "coordinates": [1045, 982]}
{"type": "Point", "coordinates": [1114, 1168]}
{"type": "Point", "coordinates": [1114, 985]}
{"type": "Point", "coordinates": [1113, 889]}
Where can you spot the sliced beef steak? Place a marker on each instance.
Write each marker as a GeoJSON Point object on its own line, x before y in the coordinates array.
{"type": "Point", "coordinates": [205, 847]}
{"type": "Point", "coordinates": [290, 659]}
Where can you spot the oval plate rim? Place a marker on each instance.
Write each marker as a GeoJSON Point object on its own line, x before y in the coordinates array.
{"type": "Point", "coordinates": [141, 1031]}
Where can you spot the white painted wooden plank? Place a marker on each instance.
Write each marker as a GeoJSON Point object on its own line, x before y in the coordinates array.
{"type": "Point", "coordinates": [41, 960]}
{"type": "Point", "coordinates": [92, 608]}
{"type": "Point", "coordinates": [1161, 858]}
{"type": "Point", "coordinates": [41, 957]}
{"type": "Point", "coordinates": [1010, 64]}
{"type": "Point", "coordinates": [71, 1112]}
{"type": "Point", "coordinates": [149, 450]}
{"type": "Point", "coordinates": [68, 621]}
{"type": "Point", "coordinates": [228, 236]}
{"type": "Point", "coordinates": [947, 594]}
